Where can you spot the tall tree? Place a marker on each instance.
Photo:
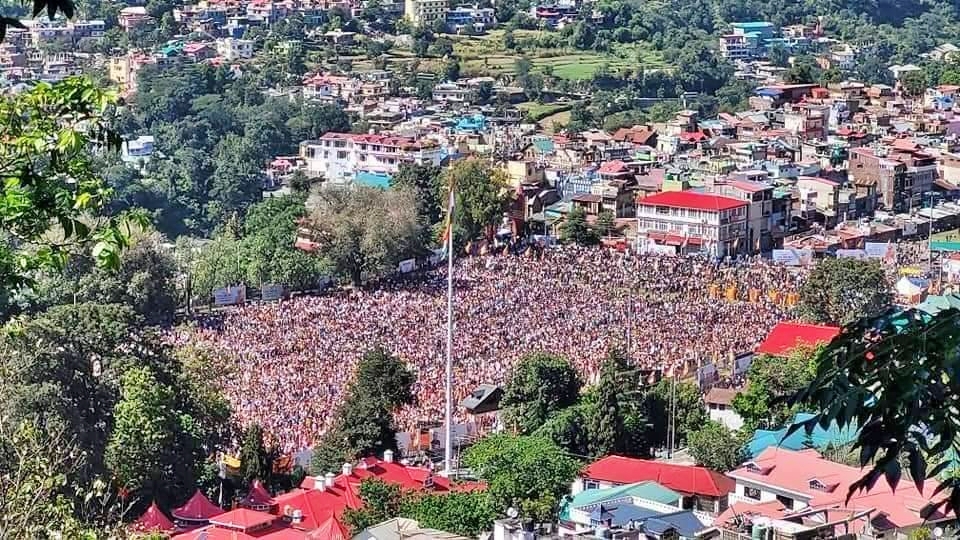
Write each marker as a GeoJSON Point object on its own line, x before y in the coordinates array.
{"type": "Point", "coordinates": [689, 410]}
{"type": "Point", "coordinates": [716, 447]}
{"type": "Point", "coordinates": [841, 290]}
{"type": "Point", "coordinates": [769, 380]}
{"type": "Point", "coordinates": [575, 228]}
{"type": "Point", "coordinates": [607, 434]}
{"type": "Point", "coordinates": [539, 385]}
{"type": "Point", "coordinates": [424, 180]}
{"type": "Point", "coordinates": [529, 472]}
{"type": "Point", "coordinates": [254, 456]}
{"type": "Point", "coordinates": [481, 197]}
{"type": "Point", "coordinates": [367, 230]}
{"type": "Point", "coordinates": [51, 196]}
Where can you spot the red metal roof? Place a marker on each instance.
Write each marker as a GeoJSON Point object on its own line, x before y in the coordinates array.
{"type": "Point", "coordinates": [683, 478]}
{"type": "Point", "coordinates": [198, 508]}
{"type": "Point", "coordinates": [692, 199]}
{"type": "Point", "coordinates": [152, 520]}
{"type": "Point", "coordinates": [787, 336]}
{"type": "Point", "coordinates": [242, 519]}
{"type": "Point", "coordinates": [258, 496]}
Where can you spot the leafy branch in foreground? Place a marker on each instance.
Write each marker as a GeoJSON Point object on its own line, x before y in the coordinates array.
{"type": "Point", "coordinates": [51, 196]}
{"type": "Point", "coordinates": [896, 375]}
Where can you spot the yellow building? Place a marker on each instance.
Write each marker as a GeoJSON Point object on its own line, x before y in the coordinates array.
{"type": "Point", "coordinates": [421, 12]}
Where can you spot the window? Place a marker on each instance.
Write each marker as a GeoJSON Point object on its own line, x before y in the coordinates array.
{"type": "Point", "coordinates": [590, 484]}
{"type": "Point", "coordinates": [663, 210]}
{"type": "Point", "coordinates": [751, 493]}
{"type": "Point", "coordinates": [787, 502]}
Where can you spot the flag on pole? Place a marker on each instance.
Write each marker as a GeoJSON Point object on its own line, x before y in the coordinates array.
{"type": "Point", "coordinates": [446, 239]}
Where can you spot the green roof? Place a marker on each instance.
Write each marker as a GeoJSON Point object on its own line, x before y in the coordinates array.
{"type": "Point", "coordinates": [647, 490]}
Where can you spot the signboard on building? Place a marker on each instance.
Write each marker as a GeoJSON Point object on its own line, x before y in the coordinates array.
{"type": "Point", "coordinates": [407, 266]}
{"type": "Point", "coordinates": [885, 251]}
{"type": "Point", "coordinates": [741, 364]}
{"type": "Point", "coordinates": [793, 257]}
{"type": "Point", "coordinates": [230, 296]}
{"type": "Point", "coordinates": [707, 375]}
{"type": "Point", "coordinates": [852, 253]}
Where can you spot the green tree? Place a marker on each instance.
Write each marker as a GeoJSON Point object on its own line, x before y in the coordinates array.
{"type": "Point", "coordinates": [424, 180]}
{"type": "Point", "coordinates": [254, 456]}
{"type": "Point", "coordinates": [529, 473]}
{"type": "Point", "coordinates": [607, 433]}
{"type": "Point", "coordinates": [481, 197]}
{"type": "Point", "coordinates": [539, 385]}
{"type": "Point", "coordinates": [769, 380]}
{"type": "Point", "coordinates": [778, 56]}
{"type": "Point", "coordinates": [145, 430]}
{"type": "Point", "coordinates": [364, 423]}
{"type": "Point", "coordinates": [716, 447]}
{"type": "Point", "coordinates": [51, 192]}
{"type": "Point", "coordinates": [568, 429]}
{"type": "Point", "coordinates": [913, 83]}
{"type": "Point", "coordinates": [575, 228]}
{"type": "Point", "coordinates": [841, 290]}
{"type": "Point", "coordinates": [690, 412]}
{"type": "Point", "coordinates": [464, 513]}
{"type": "Point", "coordinates": [367, 230]}
{"type": "Point", "coordinates": [803, 71]}
{"type": "Point", "coordinates": [606, 224]}
{"type": "Point", "coordinates": [381, 501]}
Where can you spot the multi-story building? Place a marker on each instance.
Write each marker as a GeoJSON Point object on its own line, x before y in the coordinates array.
{"type": "Point", "coordinates": [759, 199]}
{"type": "Point", "coordinates": [694, 222]}
{"type": "Point", "coordinates": [470, 19]}
{"type": "Point", "coordinates": [823, 196]}
{"type": "Point", "coordinates": [132, 17]}
{"type": "Point", "coordinates": [747, 41]}
{"type": "Point", "coordinates": [234, 49]}
{"type": "Point", "coordinates": [123, 70]}
{"type": "Point", "coordinates": [902, 174]}
{"type": "Point", "coordinates": [421, 12]}
{"type": "Point", "coordinates": [341, 156]}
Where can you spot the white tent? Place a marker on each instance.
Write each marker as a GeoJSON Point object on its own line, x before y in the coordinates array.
{"type": "Point", "coordinates": [909, 290]}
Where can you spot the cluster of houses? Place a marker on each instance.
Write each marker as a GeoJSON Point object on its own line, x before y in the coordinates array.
{"type": "Point", "coordinates": [825, 168]}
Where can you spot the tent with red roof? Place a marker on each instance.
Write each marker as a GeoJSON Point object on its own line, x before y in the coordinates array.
{"type": "Point", "coordinates": [197, 509]}
{"type": "Point", "coordinates": [787, 336]}
{"type": "Point", "coordinates": [258, 498]}
{"type": "Point", "coordinates": [153, 520]}
{"type": "Point", "coordinates": [331, 529]}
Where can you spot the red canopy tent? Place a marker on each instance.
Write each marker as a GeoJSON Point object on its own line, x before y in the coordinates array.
{"type": "Point", "coordinates": [331, 529]}
{"type": "Point", "coordinates": [258, 498]}
{"type": "Point", "coordinates": [152, 520]}
{"type": "Point", "coordinates": [198, 509]}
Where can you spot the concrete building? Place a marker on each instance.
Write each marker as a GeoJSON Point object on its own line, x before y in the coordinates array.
{"type": "Point", "coordinates": [694, 222]}
{"type": "Point", "coordinates": [235, 49]}
{"type": "Point", "coordinates": [759, 198]}
{"type": "Point", "coordinates": [902, 173]}
{"type": "Point", "coordinates": [343, 156]}
{"type": "Point", "coordinates": [421, 12]}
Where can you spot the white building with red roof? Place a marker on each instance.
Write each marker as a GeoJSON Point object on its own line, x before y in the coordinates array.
{"type": "Point", "coordinates": [342, 156]}
{"type": "Point", "coordinates": [785, 489]}
{"type": "Point", "coordinates": [694, 222]}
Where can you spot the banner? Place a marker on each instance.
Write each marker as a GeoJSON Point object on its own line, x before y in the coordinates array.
{"type": "Point", "coordinates": [272, 291]}
{"type": "Point", "coordinates": [742, 364]}
{"type": "Point", "coordinates": [407, 266]}
{"type": "Point", "coordinates": [649, 247]}
{"type": "Point", "coordinates": [793, 257]}
{"type": "Point", "coordinates": [230, 296]}
{"type": "Point", "coordinates": [887, 251]}
{"type": "Point", "coordinates": [707, 375]}
{"type": "Point", "coordinates": [852, 253]}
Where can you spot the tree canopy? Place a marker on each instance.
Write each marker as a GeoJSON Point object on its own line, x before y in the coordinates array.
{"type": "Point", "coordinates": [539, 385]}
{"type": "Point", "coordinates": [840, 290]}
{"type": "Point", "coordinates": [529, 473]}
{"type": "Point", "coordinates": [716, 447]}
{"type": "Point", "coordinates": [770, 380]}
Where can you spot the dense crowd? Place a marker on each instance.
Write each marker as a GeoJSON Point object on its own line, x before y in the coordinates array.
{"type": "Point", "coordinates": [288, 364]}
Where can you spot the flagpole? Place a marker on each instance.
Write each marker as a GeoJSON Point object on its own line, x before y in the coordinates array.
{"type": "Point", "coordinates": [448, 412]}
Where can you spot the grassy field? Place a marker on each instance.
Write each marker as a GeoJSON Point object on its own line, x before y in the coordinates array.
{"type": "Point", "coordinates": [486, 56]}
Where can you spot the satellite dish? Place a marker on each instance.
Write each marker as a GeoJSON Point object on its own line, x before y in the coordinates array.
{"type": "Point", "coordinates": [512, 513]}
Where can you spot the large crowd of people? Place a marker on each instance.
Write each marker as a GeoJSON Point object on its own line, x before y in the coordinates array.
{"type": "Point", "coordinates": [287, 365]}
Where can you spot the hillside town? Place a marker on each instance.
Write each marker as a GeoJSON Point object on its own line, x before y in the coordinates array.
{"type": "Point", "coordinates": [371, 269]}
